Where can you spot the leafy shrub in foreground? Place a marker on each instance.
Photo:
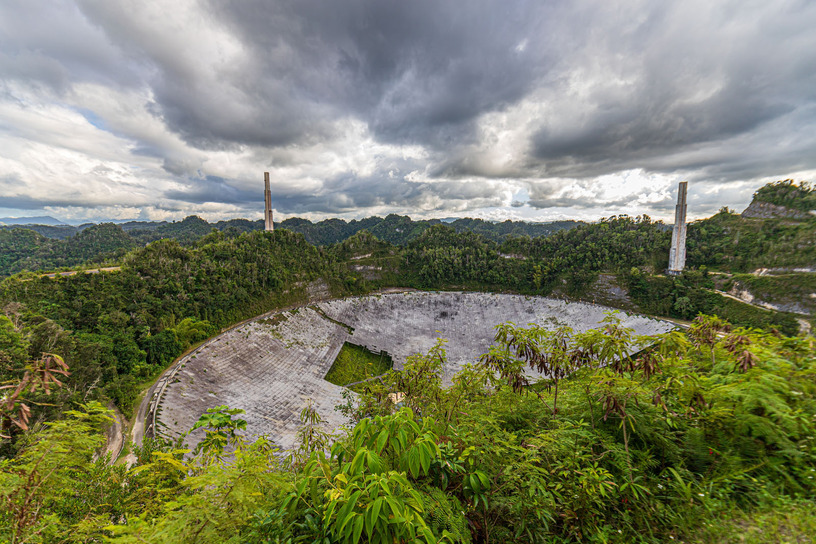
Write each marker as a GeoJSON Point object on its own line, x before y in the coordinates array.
{"type": "Point", "coordinates": [685, 440]}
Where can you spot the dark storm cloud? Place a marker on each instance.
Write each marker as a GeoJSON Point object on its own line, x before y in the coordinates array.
{"type": "Point", "coordinates": [7, 184]}
{"type": "Point", "coordinates": [491, 93]}
{"type": "Point", "coordinates": [644, 132]}
{"type": "Point", "coordinates": [214, 189]}
{"type": "Point", "coordinates": [414, 71]}
{"type": "Point", "coordinates": [691, 84]}
{"type": "Point", "coordinates": [622, 204]}
{"type": "Point", "coordinates": [340, 194]}
{"type": "Point", "coordinates": [348, 192]}
{"type": "Point", "coordinates": [55, 46]}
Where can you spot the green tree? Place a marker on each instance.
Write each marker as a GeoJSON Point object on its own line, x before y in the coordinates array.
{"type": "Point", "coordinates": [38, 488]}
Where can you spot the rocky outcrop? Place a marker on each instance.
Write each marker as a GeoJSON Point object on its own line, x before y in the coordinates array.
{"type": "Point", "coordinates": [740, 292]}
{"type": "Point", "coordinates": [766, 210]}
{"type": "Point", "coordinates": [783, 270]}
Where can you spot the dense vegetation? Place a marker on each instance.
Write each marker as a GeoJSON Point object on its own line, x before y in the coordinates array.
{"type": "Point", "coordinates": [16, 245]}
{"type": "Point", "coordinates": [719, 420]}
{"type": "Point", "coordinates": [23, 249]}
{"type": "Point", "coordinates": [782, 290]}
{"type": "Point", "coordinates": [708, 436]}
{"type": "Point", "coordinates": [731, 243]}
{"type": "Point", "coordinates": [57, 232]}
{"type": "Point", "coordinates": [685, 296]}
{"type": "Point", "coordinates": [118, 329]}
{"type": "Point", "coordinates": [185, 232]}
{"type": "Point", "coordinates": [441, 256]}
{"type": "Point", "coordinates": [65, 246]}
{"type": "Point", "coordinates": [787, 193]}
{"type": "Point", "coordinates": [357, 363]}
{"type": "Point", "coordinates": [725, 242]}
{"type": "Point", "coordinates": [569, 262]}
{"type": "Point", "coordinates": [400, 230]}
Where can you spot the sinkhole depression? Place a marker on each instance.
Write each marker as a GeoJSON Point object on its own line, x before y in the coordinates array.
{"type": "Point", "coordinates": [271, 366]}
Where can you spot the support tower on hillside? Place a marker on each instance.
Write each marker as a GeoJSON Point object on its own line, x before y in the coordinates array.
{"type": "Point", "coordinates": [268, 224]}
{"type": "Point", "coordinates": [677, 253]}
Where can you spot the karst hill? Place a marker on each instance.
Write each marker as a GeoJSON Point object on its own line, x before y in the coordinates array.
{"type": "Point", "coordinates": [783, 199]}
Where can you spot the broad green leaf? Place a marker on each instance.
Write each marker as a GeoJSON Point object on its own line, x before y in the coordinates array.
{"type": "Point", "coordinates": [343, 519]}
{"type": "Point", "coordinates": [483, 478]}
{"type": "Point", "coordinates": [425, 459]}
{"type": "Point", "coordinates": [376, 507]}
{"type": "Point", "coordinates": [370, 520]}
{"type": "Point", "coordinates": [313, 490]}
{"type": "Point", "coordinates": [326, 470]}
{"type": "Point", "coordinates": [357, 462]}
{"type": "Point", "coordinates": [413, 462]}
{"type": "Point", "coordinates": [358, 529]}
{"type": "Point", "coordinates": [382, 438]}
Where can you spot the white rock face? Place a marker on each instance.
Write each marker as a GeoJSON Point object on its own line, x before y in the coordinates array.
{"type": "Point", "coordinates": [272, 366]}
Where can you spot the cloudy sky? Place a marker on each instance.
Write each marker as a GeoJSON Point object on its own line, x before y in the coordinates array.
{"type": "Point", "coordinates": [540, 110]}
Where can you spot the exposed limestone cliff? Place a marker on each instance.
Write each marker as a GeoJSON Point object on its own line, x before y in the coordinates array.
{"type": "Point", "coordinates": [766, 210]}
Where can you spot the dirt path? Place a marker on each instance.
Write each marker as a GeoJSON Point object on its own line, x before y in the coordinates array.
{"type": "Point", "coordinates": [732, 297]}
{"type": "Point", "coordinates": [138, 430]}
{"type": "Point", "coordinates": [89, 271]}
{"type": "Point", "coordinates": [115, 435]}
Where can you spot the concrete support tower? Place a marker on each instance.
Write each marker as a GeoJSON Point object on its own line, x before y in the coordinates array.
{"type": "Point", "coordinates": [268, 224]}
{"type": "Point", "coordinates": [677, 253]}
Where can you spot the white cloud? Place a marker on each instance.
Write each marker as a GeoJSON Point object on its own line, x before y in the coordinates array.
{"type": "Point", "coordinates": [159, 109]}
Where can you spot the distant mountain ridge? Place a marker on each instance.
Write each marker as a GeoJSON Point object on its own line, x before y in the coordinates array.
{"type": "Point", "coordinates": [37, 220]}
{"type": "Point", "coordinates": [47, 247]}
{"type": "Point", "coordinates": [785, 236]}
{"type": "Point", "coordinates": [397, 229]}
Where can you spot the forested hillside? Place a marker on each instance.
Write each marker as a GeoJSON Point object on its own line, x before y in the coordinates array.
{"type": "Point", "coordinates": [57, 232]}
{"type": "Point", "coordinates": [707, 436]}
{"type": "Point", "coordinates": [400, 230]}
{"type": "Point", "coordinates": [569, 263]}
{"type": "Point", "coordinates": [117, 329]}
{"type": "Point", "coordinates": [732, 243]}
{"type": "Point", "coordinates": [23, 249]}
{"type": "Point", "coordinates": [725, 242]}
{"type": "Point", "coordinates": [788, 194]}
{"type": "Point", "coordinates": [66, 246]}
{"type": "Point", "coordinates": [16, 245]}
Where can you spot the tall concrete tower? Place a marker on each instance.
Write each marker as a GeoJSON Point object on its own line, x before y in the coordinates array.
{"type": "Point", "coordinates": [268, 224]}
{"type": "Point", "coordinates": [677, 253]}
